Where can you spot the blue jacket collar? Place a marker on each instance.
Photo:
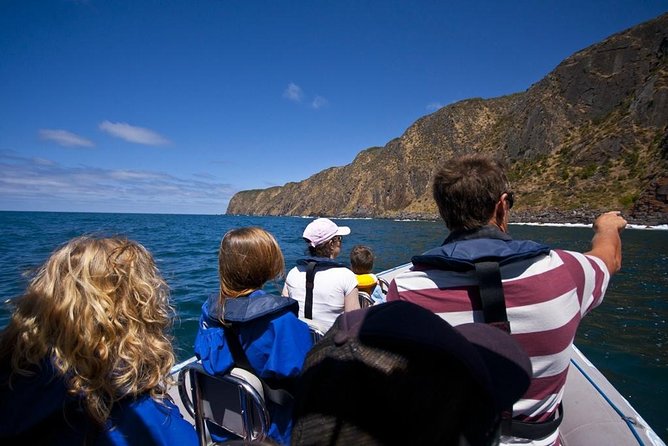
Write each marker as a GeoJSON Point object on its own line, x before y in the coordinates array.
{"type": "Point", "coordinates": [246, 308]}
{"type": "Point", "coordinates": [488, 231]}
{"type": "Point", "coordinates": [463, 249]}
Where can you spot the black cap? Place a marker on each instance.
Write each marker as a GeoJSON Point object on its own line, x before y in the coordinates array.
{"type": "Point", "coordinates": [396, 335]}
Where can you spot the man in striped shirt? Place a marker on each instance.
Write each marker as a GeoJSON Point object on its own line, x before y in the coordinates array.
{"type": "Point", "coordinates": [546, 292]}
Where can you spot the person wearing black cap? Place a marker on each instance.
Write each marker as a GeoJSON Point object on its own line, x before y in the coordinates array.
{"type": "Point", "coordinates": [536, 293]}
{"type": "Point", "coordinates": [396, 373]}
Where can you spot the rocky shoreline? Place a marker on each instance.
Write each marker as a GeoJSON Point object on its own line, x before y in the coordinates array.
{"type": "Point", "coordinates": [558, 216]}
{"type": "Point", "coordinates": [589, 137]}
{"type": "Point", "coordinates": [583, 216]}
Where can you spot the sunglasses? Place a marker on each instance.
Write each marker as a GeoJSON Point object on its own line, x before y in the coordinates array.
{"type": "Point", "coordinates": [510, 199]}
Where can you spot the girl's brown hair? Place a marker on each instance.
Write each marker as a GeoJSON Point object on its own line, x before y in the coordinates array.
{"type": "Point", "coordinates": [99, 310]}
{"type": "Point", "coordinates": [248, 258]}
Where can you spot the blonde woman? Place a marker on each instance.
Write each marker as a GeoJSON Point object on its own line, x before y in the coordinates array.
{"type": "Point", "coordinates": [261, 329]}
{"type": "Point", "coordinates": [85, 355]}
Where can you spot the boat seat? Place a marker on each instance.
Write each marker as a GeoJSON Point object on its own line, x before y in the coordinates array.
{"type": "Point", "coordinates": [233, 402]}
{"type": "Point", "coordinates": [365, 299]}
{"type": "Point", "coordinates": [384, 285]}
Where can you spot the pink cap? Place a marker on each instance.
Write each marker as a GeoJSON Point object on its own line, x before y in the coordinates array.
{"type": "Point", "coordinates": [321, 230]}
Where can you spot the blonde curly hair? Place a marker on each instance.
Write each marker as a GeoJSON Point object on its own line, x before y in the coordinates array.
{"type": "Point", "coordinates": [99, 310]}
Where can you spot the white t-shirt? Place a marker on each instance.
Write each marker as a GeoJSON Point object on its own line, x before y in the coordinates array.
{"type": "Point", "coordinates": [330, 286]}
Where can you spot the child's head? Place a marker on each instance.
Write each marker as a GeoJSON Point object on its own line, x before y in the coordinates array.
{"type": "Point", "coordinates": [247, 258]}
{"type": "Point", "coordinates": [99, 309]}
{"type": "Point", "coordinates": [361, 259]}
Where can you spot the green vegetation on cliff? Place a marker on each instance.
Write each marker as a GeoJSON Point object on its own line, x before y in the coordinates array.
{"type": "Point", "coordinates": [593, 135]}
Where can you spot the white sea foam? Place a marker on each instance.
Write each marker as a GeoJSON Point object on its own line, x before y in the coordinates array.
{"type": "Point", "coordinates": [583, 225]}
{"type": "Point", "coordinates": [656, 228]}
{"type": "Point", "coordinates": [565, 225]}
{"type": "Point", "coordinates": [310, 217]}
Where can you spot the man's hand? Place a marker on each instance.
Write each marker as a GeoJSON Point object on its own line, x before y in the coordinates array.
{"type": "Point", "coordinates": [612, 220]}
{"type": "Point", "coordinates": [606, 244]}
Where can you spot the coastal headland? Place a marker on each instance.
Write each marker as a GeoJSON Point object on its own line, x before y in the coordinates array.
{"type": "Point", "coordinates": [590, 136]}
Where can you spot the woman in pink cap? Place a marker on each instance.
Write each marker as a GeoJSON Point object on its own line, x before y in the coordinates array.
{"type": "Point", "coordinates": [323, 287]}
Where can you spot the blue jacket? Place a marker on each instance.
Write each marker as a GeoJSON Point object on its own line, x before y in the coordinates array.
{"type": "Point", "coordinates": [274, 339]}
{"type": "Point", "coordinates": [38, 410]}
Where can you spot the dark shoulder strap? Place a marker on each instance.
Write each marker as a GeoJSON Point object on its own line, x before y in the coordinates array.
{"type": "Point", "coordinates": [279, 396]}
{"type": "Point", "coordinates": [491, 295]}
{"type": "Point", "coordinates": [308, 303]}
{"type": "Point", "coordinates": [494, 311]}
{"type": "Point", "coordinates": [535, 430]}
{"type": "Point", "coordinates": [236, 350]}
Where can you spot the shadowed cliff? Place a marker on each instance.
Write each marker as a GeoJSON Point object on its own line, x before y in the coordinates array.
{"type": "Point", "coordinates": [591, 136]}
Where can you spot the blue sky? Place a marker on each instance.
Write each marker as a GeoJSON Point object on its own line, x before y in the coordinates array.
{"type": "Point", "coordinates": [173, 106]}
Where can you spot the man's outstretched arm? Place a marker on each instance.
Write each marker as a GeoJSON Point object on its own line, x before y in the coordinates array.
{"type": "Point", "coordinates": [606, 244]}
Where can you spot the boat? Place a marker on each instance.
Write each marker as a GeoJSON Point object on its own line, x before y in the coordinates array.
{"type": "Point", "coordinates": [595, 413]}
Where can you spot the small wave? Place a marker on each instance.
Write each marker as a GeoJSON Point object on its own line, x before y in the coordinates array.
{"type": "Point", "coordinates": [588, 225]}
{"type": "Point", "coordinates": [655, 228]}
{"type": "Point", "coordinates": [310, 217]}
{"type": "Point", "coordinates": [565, 225]}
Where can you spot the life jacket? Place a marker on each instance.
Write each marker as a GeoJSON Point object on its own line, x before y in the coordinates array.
{"type": "Point", "coordinates": [463, 249]}
{"type": "Point", "coordinates": [247, 308]}
{"type": "Point", "coordinates": [485, 250]}
{"type": "Point", "coordinates": [366, 283]}
{"type": "Point", "coordinates": [240, 310]}
{"type": "Point", "coordinates": [313, 263]}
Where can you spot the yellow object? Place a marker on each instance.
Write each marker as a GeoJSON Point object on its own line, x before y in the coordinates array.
{"type": "Point", "coordinates": [366, 282]}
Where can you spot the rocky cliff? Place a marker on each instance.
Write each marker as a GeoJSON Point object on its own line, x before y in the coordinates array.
{"type": "Point", "coordinates": [592, 135]}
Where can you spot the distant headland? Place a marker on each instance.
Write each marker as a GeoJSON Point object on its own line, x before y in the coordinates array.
{"type": "Point", "coordinates": [590, 136]}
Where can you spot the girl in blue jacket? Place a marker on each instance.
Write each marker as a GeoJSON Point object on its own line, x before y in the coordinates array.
{"type": "Point", "coordinates": [85, 357]}
{"type": "Point", "coordinates": [274, 340]}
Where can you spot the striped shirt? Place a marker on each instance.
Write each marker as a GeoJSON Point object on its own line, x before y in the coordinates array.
{"type": "Point", "coordinates": [546, 297]}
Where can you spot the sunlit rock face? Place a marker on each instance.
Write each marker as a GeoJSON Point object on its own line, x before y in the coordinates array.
{"type": "Point", "coordinates": [591, 136]}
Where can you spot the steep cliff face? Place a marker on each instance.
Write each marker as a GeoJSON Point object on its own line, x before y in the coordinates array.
{"type": "Point", "coordinates": [593, 134]}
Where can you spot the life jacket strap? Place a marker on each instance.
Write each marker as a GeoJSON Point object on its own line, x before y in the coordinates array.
{"type": "Point", "coordinates": [491, 295]}
{"type": "Point", "coordinates": [308, 302]}
{"type": "Point", "coordinates": [533, 430]}
{"type": "Point", "coordinates": [277, 395]}
{"type": "Point", "coordinates": [494, 311]}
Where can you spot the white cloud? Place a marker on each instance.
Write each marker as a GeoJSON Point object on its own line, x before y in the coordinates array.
{"type": "Point", "coordinates": [64, 138]}
{"type": "Point", "coordinates": [432, 107]}
{"type": "Point", "coordinates": [293, 92]}
{"type": "Point", "coordinates": [133, 175]}
{"type": "Point", "coordinates": [43, 162]}
{"type": "Point", "coordinates": [133, 133]}
{"type": "Point", "coordinates": [319, 102]}
{"type": "Point", "coordinates": [39, 184]}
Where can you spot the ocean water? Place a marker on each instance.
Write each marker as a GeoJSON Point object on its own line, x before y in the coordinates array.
{"type": "Point", "coordinates": [626, 337]}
